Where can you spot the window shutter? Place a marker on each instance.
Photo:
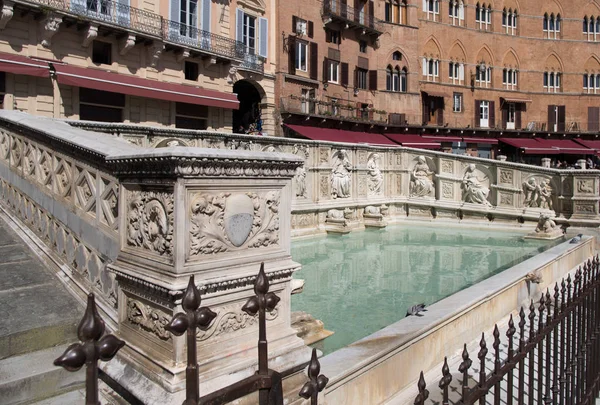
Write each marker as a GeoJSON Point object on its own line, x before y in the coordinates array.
{"type": "Point", "coordinates": [561, 118]}
{"type": "Point", "coordinates": [593, 119]}
{"type": "Point", "coordinates": [440, 113]}
{"type": "Point", "coordinates": [492, 114]}
{"type": "Point", "coordinates": [355, 77]}
{"type": "Point", "coordinates": [461, 72]}
{"type": "Point", "coordinates": [327, 36]}
{"type": "Point", "coordinates": [425, 115]}
{"type": "Point", "coordinates": [424, 66]}
{"type": "Point", "coordinates": [477, 113]}
{"type": "Point", "coordinates": [311, 29]}
{"type": "Point", "coordinates": [504, 116]}
{"type": "Point", "coordinates": [123, 12]}
{"type": "Point", "coordinates": [345, 74]}
{"type": "Point", "coordinates": [461, 11]}
{"type": "Point", "coordinates": [263, 32]}
{"type": "Point", "coordinates": [292, 55]}
{"type": "Point", "coordinates": [372, 79]}
{"type": "Point", "coordinates": [174, 14]}
{"type": "Point", "coordinates": [551, 117]}
{"type": "Point", "coordinates": [424, 5]}
{"type": "Point", "coordinates": [205, 36]}
{"type": "Point", "coordinates": [314, 60]}
{"type": "Point", "coordinates": [325, 70]}
{"type": "Point", "coordinates": [371, 17]}
{"type": "Point", "coordinates": [294, 23]}
{"type": "Point", "coordinates": [518, 117]}
{"type": "Point", "coordinates": [239, 23]}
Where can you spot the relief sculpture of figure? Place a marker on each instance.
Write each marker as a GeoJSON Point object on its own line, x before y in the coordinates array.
{"type": "Point", "coordinates": [300, 182]}
{"type": "Point", "coordinates": [375, 175]}
{"type": "Point", "coordinates": [473, 190]}
{"type": "Point", "coordinates": [340, 177]}
{"type": "Point", "coordinates": [545, 197]}
{"type": "Point", "coordinates": [421, 184]}
{"type": "Point", "coordinates": [531, 192]}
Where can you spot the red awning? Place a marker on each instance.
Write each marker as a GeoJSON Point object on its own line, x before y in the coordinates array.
{"type": "Point", "coordinates": [338, 135]}
{"type": "Point", "coordinates": [530, 146]}
{"type": "Point", "coordinates": [435, 94]}
{"type": "Point", "coordinates": [567, 146]}
{"type": "Point", "coordinates": [442, 138]}
{"type": "Point", "coordinates": [488, 141]}
{"type": "Point", "coordinates": [22, 65]}
{"type": "Point", "coordinates": [135, 86]}
{"type": "Point", "coordinates": [589, 144]}
{"type": "Point", "coordinates": [414, 141]}
{"type": "Point", "coordinates": [516, 100]}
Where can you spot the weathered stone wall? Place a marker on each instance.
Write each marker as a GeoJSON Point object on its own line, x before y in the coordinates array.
{"type": "Point", "coordinates": [396, 182]}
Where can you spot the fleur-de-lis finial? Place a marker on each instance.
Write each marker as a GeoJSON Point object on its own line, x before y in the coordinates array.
{"type": "Point", "coordinates": [317, 381]}
{"type": "Point", "coordinates": [93, 347]}
{"type": "Point", "coordinates": [195, 317]}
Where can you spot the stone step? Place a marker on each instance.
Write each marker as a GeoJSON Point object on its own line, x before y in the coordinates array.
{"type": "Point", "coordinates": [32, 377]}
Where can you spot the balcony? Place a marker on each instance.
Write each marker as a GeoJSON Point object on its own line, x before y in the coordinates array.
{"type": "Point", "coordinates": [338, 10]}
{"type": "Point", "coordinates": [251, 61]}
{"type": "Point", "coordinates": [111, 13]}
{"type": "Point", "coordinates": [332, 110]}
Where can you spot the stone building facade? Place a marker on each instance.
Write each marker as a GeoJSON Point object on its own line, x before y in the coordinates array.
{"type": "Point", "coordinates": [180, 63]}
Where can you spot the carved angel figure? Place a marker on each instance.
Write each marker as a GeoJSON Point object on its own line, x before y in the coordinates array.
{"type": "Point", "coordinates": [420, 183]}
{"type": "Point", "coordinates": [375, 175]}
{"type": "Point", "coordinates": [473, 190]}
{"type": "Point", "coordinates": [340, 177]}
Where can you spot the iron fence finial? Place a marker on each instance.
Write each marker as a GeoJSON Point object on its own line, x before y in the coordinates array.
{"type": "Point", "coordinates": [317, 381]}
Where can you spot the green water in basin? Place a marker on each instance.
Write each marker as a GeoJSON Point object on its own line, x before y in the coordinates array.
{"type": "Point", "coordinates": [360, 283]}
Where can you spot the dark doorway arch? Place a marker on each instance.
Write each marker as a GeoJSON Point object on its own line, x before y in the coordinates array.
{"type": "Point", "coordinates": [247, 119]}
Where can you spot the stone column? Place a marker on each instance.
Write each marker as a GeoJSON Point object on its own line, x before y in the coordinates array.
{"type": "Point", "coordinates": [546, 162]}
{"type": "Point", "coordinates": [217, 215]}
{"type": "Point", "coordinates": [585, 196]}
{"type": "Point", "coordinates": [581, 163]}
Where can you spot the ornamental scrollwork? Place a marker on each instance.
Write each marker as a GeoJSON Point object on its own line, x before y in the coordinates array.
{"type": "Point", "coordinates": [231, 221]}
{"type": "Point", "coordinates": [150, 221]}
{"type": "Point", "coordinates": [148, 318]}
{"type": "Point", "coordinates": [232, 320]}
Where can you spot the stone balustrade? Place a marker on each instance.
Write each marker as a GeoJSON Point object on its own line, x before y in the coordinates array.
{"type": "Point", "coordinates": [346, 185]}
{"type": "Point", "coordinates": [132, 224]}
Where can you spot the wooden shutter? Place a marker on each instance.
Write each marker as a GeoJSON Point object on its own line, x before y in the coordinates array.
{"type": "Point", "coordinates": [425, 110]}
{"type": "Point", "coordinates": [344, 8]}
{"type": "Point", "coordinates": [206, 6]}
{"type": "Point", "coordinates": [325, 70]}
{"type": "Point", "coordinates": [345, 74]}
{"type": "Point", "coordinates": [294, 22]}
{"type": "Point", "coordinates": [327, 35]}
{"type": "Point", "coordinates": [561, 118]}
{"type": "Point", "coordinates": [311, 29]}
{"type": "Point", "coordinates": [477, 116]}
{"type": "Point", "coordinates": [504, 112]}
{"type": "Point", "coordinates": [440, 112]}
{"type": "Point", "coordinates": [356, 10]}
{"type": "Point", "coordinates": [551, 120]}
{"type": "Point", "coordinates": [492, 113]}
{"type": "Point", "coordinates": [593, 119]}
{"type": "Point", "coordinates": [314, 61]}
{"type": "Point", "coordinates": [355, 77]}
{"type": "Point", "coordinates": [370, 18]}
{"type": "Point", "coordinates": [292, 54]}
{"type": "Point", "coordinates": [174, 11]}
{"type": "Point", "coordinates": [518, 116]}
{"type": "Point", "coordinates": [263, 33]}
{"type": "Point", "coordinates": [372, 79]}
{"type": "Point", "coordinates": [239, 23]}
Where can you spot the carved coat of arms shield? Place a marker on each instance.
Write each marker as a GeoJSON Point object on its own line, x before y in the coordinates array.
{"type": "Point", "coordinates": [238, 218]}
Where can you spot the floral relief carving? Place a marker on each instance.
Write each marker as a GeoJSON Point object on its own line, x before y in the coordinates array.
{"type": "Point", "coordinates": [447, 190]}
{"type": "Point", "coordinates": [224, 222]}
{"type": "Point", "coordinates": [447, 166]}
{"type": "Point", "coordinates": [148, 318]}
{"type": "Point", "coordinates": [506, 199]}
{"type": "Point", "coordinates": [323, 155]}
{"type": "Point", "coordinates": [150, 221]}
{"type": "Point", "coordinates": [585, 208]}
{"type": "Point", "coordinates": [231, 320]}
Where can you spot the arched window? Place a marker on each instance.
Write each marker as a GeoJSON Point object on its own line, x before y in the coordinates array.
{"type": "Point", "coordinates": [432, 9]}
{"type": "Point", "coordinates": [431, 69]}
{"type": "Point", "coordinates": [396, 79]}
{"type": "Point", "coordinates": [483, 75]}
{"type": "Point", "coordinates": [509, 79]}
{"type": "Point", "coordinates": [585, 25]}
{"type": "Point", "coordinates": [509, 21]}
{"type": "Point", "coordinates": [404, 80]}
{"type": "Point", "coordinates": [456, 72]}
{"type": "Point", "coordinates": [552, 82]}
{"type": "Point", "coordinates": [591, 28]}
{"type": "Point", "coordinates": [388, 78]}
{"type": "Point", "coordinates": [483, 16]}
{"type": "Point", "coordinates": [395, 11]}
{"type": "Point", "coordinates": [456, 12]}
{"type": "Point", "coordinates": [397, 55]}
{"type": "Point", "coordinates": [591, 83]}
{"type": "Point", "coordinates": [551, 26]}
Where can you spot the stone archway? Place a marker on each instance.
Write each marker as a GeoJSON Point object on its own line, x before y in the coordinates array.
{"type": "Point", "coordinates": [247, 119]}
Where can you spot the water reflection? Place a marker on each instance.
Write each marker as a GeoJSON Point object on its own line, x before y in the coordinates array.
{"type": "Point", "coordinates": [361, 282]}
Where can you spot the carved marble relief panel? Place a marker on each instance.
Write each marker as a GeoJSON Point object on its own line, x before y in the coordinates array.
{"type": "Point", "coordinates": [398, 183]}
{"type": "Point", "coordinates": [150, 221]}
{"type": "Point", "coordinates": [447, 190]}
{"type": "Point", "coordinates": [506, 176]}
{"type": "Point", "coordinates": [64, 177]}
{"type": "Point", "coordinates": [232, 321]}
{"type": "Point", "coordinates": [226, 222]}
{"type": "Point", "coordinates": [4, 145]}
{"type": "Point", "coordinates": [324, 186]}
{"type": "Point", "coordinates": [362, 157]}
{"type": "Point", "coordinates": [375, 175]}
{"type": "Point", "coordinates": [584, 208]}
{"type": "Point", "coordinates": [341, 174]}
{"type": "Point", "coordinates": [148, 318]}
{"type": "Point", "coordinates": [323, 155]}
{"type": "Point", "coordinates": [538, 192]}
{"type": "Point", "coordinates": [506, 199]}
{"type": "Point", "coordinates": [362, 186]}
{"type": "Point", "coordinates": [585, 186]}
{"type": "Point", "coordinates": [447, 166]}
{"type": "Point", "coordinates": [567, 186]}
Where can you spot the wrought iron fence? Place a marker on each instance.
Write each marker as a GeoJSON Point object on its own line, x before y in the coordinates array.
{"type": "Point", "coordinates": [344, 11]}
{"type": "Point", "coordinates": [267, 382]}
{"type": "Point", "coordinates": [553, 362]}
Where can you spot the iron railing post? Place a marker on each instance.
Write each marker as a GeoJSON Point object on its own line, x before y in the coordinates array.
{"type": "Point", "coordinates": [522, 351]}
{"type": "Point", "coordinates": [93, 347]}
{"type": "Point", "coordinates": [195, 317]}
{"type": "Point", "coordinates": [509, 379]}
{"type": "Point", "coordinates": [483, 351]}
{"type": "Point", "coordinates": [316, 383]}
{"type": "Point", "coordinates": [445, 381]}
{"type": "Point", "coordinates": [464, 369]}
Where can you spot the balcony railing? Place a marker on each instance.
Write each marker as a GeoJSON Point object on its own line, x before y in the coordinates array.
{"type": "Point", "coordinates": [200, 39]}
{"type": "Point", "coordinates": [339, 9]}
{"type": "Point", "coordinates": [131, 18]}
{"type": "Point", "coordinates": [330, 109]}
